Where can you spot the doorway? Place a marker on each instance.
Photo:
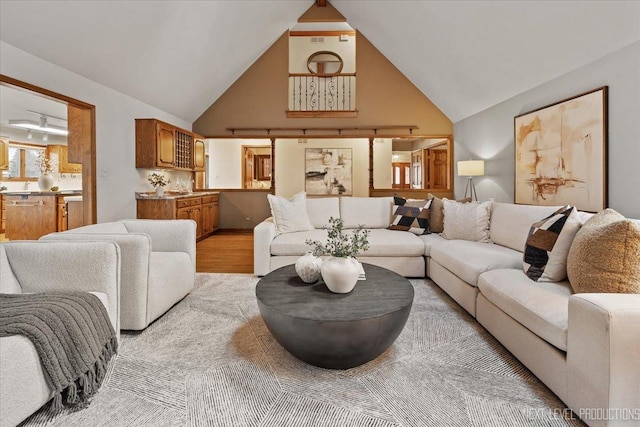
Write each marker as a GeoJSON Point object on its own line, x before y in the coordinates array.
{"type": "Point", "coordinates": [256, 167]}
{"type": "Point", "coordinates": [81, 143]}
{"type": "Point", "coordinates": [401, 175]}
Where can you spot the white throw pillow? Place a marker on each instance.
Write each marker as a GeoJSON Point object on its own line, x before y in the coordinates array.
{"type": "Point", "coordinates": [467, 221]}
{"type": "Point", "coordinates": [548, 244]}
{"type": "Point", "coordinates": [290, 215]}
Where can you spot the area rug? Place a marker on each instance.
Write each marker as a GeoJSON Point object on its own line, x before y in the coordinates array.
{"type": "Point", "coordinates": [210, 361]}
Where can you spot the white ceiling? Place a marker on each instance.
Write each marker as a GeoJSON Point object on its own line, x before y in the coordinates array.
{"type": "Point", "coordinates": [180, 56]}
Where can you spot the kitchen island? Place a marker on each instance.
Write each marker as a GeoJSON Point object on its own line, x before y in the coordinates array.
{"type": "Point", "coordinates": [32, 214]}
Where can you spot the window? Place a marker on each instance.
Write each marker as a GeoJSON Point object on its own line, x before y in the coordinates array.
{"type": "Point", "coordinates": [22, 163]}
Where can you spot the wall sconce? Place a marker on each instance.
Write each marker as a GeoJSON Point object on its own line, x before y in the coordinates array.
{"type": "Point", "coordinates": [471, 168]}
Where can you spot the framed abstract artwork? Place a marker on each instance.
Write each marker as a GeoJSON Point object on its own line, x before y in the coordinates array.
{"type": "Point", "coordinates": [328, 171]}
{"type": "Point", "coordinates": [561, 153]}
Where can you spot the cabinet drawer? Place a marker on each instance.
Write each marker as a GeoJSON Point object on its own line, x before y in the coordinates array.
{"type": "Point", "coordinates": [192, 201]}
{"type": "Point", "coordinates": [209, 199]}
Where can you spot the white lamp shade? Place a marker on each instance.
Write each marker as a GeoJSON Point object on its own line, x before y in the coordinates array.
{"type": "Point", "coordinates": [471, 168]}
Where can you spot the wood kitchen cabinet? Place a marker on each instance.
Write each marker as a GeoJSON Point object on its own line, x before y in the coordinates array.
{"type": "Point", "coordinates": [198, 154]}
{"type": "Point", "coordinates": [3, 213]}
{"type": "Point", "coordinates": [64, 166]}
{"type": "Point", "coordinates": [202, 209]}
{"type": "Point", "coordinates": [4, 153]}
{"type": "Point", "coordinates": [161, 145]}
{"type": "Point", "coordinates": [31, 216]}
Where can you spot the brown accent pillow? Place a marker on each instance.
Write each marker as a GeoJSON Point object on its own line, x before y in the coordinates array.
{"type": "Point", "coordinates": [605, 255]}
{"type": "Point", "coordinates": [436, 220]}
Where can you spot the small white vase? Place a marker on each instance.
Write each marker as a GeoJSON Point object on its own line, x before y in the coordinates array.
{"type": "Point", "coordinates": [159, 191]}
{"type": "Point", "coordinates": [45, 182]}
{"type": "Point", "coordinates": [340, 274]}
{"type": "Point", "coordinates": [308, 267]}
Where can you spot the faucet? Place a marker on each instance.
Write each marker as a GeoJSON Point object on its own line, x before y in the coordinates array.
{"type": "Point", "coordinates": [26, 185]}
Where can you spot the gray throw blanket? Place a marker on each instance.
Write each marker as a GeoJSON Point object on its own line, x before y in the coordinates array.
{"type": "Point", "coordinates": [72, 334]}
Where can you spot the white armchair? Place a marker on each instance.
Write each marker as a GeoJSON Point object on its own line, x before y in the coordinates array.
{"type": "Point", "coordinates": [27, 267]}
{"type": "Point", "coordinates": [158, 263]}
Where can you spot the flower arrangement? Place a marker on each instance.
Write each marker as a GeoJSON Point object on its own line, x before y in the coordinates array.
{"type": "Point", "coordinates": [44, 163]}
{"type": "Point", "coordinates": [340, 244]}
{"type": "Point", "coordinates": [158, 179]}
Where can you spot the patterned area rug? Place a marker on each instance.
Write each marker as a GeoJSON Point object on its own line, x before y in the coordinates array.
{"type": "Point", "coordinates": [210, 361]}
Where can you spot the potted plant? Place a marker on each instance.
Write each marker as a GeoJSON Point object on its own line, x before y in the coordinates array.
{"type": "Point", "coordinates": [159, 181]}
{"type": "Point", "coordinates": [341, 270]}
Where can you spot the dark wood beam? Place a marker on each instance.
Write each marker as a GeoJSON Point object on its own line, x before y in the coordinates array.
{"type": "Point", "coordinates": [322, 3]}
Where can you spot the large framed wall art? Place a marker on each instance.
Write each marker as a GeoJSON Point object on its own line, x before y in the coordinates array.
{"type": "Point", "coordinates": [328, 171]}
{"type": "Point", "coordinates": [561, 153]}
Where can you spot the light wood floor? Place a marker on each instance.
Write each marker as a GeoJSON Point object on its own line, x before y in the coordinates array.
{"type": "Point", "coordinates": [226, 251]}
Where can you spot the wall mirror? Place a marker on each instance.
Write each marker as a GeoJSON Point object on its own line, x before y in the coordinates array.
{"type": "Point", "coordinates": [324, 62]}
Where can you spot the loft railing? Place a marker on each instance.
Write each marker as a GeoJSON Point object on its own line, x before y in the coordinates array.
{"type": "Point", "coordinates": [322, 92]}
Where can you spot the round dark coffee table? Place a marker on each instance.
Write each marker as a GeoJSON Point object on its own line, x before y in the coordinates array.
{"type": "Point", "coordinates": [336, 331]}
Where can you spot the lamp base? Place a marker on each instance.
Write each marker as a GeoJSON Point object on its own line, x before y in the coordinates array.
{"type": "Point", "coordinates": [471, 189]}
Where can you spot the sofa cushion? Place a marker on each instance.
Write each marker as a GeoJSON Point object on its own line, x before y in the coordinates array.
{"type": "Point", "coordinates": [8, 282]}
{"type": "Point", "coordinates": [605, 255]}
{"type": "Point", "coordinates": [320, 209]}
{"type": "Point", "coordinates": [510, 224]}
{"type": "Point", "coordinates": [467, 221]}
{"type": "Point", "coordinates": [105, 227]}
{"type": "Point", "coordinates": [436, 219]}
{"type": "Point", "coordinates": [431, 240]}
{"type": "Point", "coordinates": [410, 215]}
{"type": "Point", "coordinates": [547, 248]}
{"type": "Point", "coordinates": [371, 212]}
{"type": "Point", "coordinates": [289, 215]}
{"type": "Point", "coordinates": [468, 260]}
{"type": "Point", "coordinates": [294, 243]}
{"type": "Point", "coordinates": [541, 307]}
{"type": "Point", "coordinates": [382, 243]}
{"type": "Point", "coordinates": [391, 243]}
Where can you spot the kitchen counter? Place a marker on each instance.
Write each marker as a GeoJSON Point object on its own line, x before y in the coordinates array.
{"type": "Point", "coordinates": [168, 195]}
{"type": "Point", "coordinates": [42, 193]}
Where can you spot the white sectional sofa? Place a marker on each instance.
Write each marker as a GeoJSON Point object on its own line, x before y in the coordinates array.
{"type": "Point", "coordinates": [584, 347]}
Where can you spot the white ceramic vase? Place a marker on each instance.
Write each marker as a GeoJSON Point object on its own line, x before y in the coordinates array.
{"type": "Point", "coordinates": [308, 267]}
{"type": "Point", "coordinates": [45, 182]}
{"type": "Point", "coordinates": [159, 191]}
{"type": "Point", "coordinates": [340, 274]}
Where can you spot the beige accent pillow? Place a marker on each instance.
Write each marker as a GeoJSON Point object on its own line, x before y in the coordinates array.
{"type": "Point", "coordinates": [436, 218]}
{"type": "Point", "coordinates": [605, 255]}
{"type": "Point", "coordinates": [467, 221]}
{"type": "Point", "coordinates": [290, 215]}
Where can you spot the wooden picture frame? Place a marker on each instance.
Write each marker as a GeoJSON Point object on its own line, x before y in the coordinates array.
{"type": "Point", "coordinates": [561, 153]}
{"type": "Point", "coordinates": [328, 172]}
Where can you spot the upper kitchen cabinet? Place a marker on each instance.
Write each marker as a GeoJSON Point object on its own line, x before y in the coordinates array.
{"type": "Point", "coordinates": [161, 145]}
{"type": "Point", "coordinates": [64, 166]}
{"type": "Point", "coordinates": [198, 153]}
{"type": "Point", "coordinates": [4, 153]}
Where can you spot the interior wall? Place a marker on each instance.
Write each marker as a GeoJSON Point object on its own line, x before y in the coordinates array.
{"type": "Point", "coordinates": [117, 177]}
{"type": "Point", "coordinates": [489, 134]}
{"type": "Point", "coordinates": [384, 97]}
{"type": "Point", "coordinates": [243, 210]}
{"type": "Point", "coordinates": [301, 47]}
{"type": "Point", "coordinates": [225, 161]}
{"type": "Point", "coordinates": [382, 159]}
{"type": "Point", "coordinates": [290, 163]}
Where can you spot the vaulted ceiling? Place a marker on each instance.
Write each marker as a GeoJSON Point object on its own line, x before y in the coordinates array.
{"type": "Point", "coordinates": [180, 56]}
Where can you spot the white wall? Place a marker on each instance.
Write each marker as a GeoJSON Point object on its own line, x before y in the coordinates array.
{"type": "Point", "coordinates": [300, 48]}
{"type": "Point", "coordinates": [116, 112]}
{"type": "Point", "coordinates": [225, 161]}
{"type": "Point", "coordinates": [382, 159]}
{"type": "Point", "coordinates": [489, 134]}
{"type": "Point", "coordinates": [290, 163]}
